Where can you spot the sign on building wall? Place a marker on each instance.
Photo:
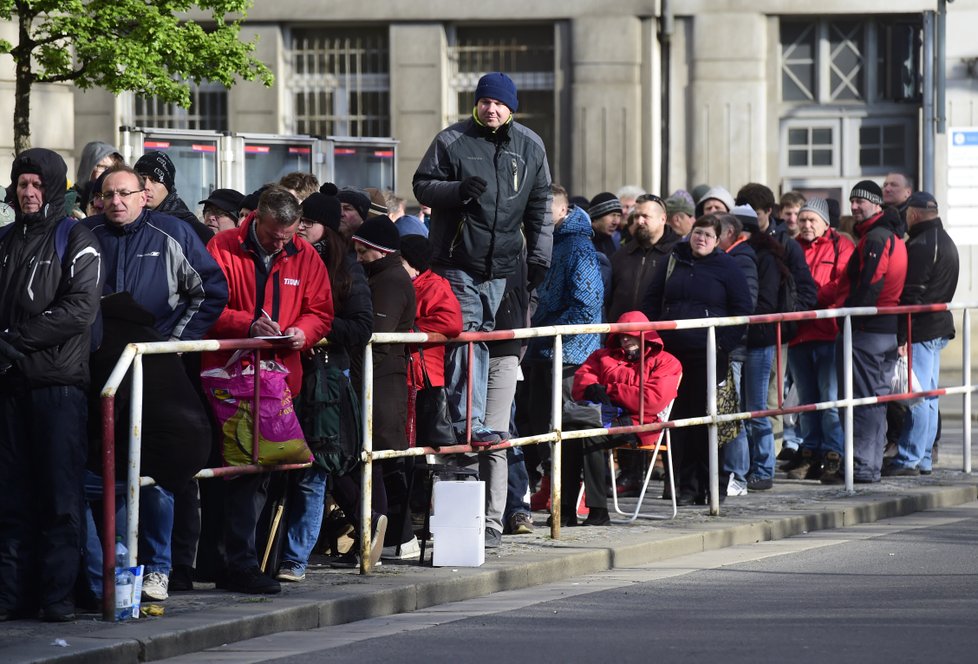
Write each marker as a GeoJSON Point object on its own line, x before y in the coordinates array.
{"type": "Point", "coordinates": [962, 184]}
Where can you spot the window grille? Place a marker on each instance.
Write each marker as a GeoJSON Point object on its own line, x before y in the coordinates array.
{"type": "Point", "coordinates": [339, 81]}
{"type": "Point", "coordinates": [208, 110]}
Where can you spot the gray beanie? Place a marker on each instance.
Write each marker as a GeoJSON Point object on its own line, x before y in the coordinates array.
{"type": "Point", "coordinates": [819, 206]}
{"type": "Point", "coordinates": [721, 195]}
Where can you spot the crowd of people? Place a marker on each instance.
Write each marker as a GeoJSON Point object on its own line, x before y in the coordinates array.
{"type": "Point", "coordinates": [495, 244]}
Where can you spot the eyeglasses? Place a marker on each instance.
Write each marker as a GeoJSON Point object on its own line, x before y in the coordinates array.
{"type": "Point", "coordinates": [109, 195]}
{"type": "Point", "coordinates": [704, 234]}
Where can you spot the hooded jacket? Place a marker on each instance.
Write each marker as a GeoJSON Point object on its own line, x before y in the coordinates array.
{"type": "Point", "coordinates": [162, 264]}
{"type": "Point", "coordinates": [92, 154]}
{"type": "Point", "coordinates": [827, 257]}
{"type": "Point", "coordinates": [572, 293]}
{"type": "Point", "coordinates": [622, 378]}
{"type": "Point", "coordinates": [484, 237]}
{"type": "Point", "coordinates": [48, 303]}
{"type": "Point", "coordinates": [875, 274]}
{"type": "Point", "coordinates": [632, 268]}
{"type": "Point", "coordinates": [698, 287]}
{"type": "Point", "coordinates": [439, 312]}
{"type": "Point", "coordinates": [932, 277]}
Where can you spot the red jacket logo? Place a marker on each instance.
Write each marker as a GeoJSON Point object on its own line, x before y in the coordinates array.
{"type": "Point", "coordinates": [290, 282]}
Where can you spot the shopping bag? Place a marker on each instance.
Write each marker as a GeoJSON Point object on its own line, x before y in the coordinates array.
{"type": "Point", "coordinates": [230, 392]}
{"type": "Point", "coordinates": [727, 404]}
{"type": "Point", "coordinates": [899, 384]}
{"type": "Point", "coordinates": [432, 419]}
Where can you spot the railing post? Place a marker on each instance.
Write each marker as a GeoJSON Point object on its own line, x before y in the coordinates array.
{"type": "Point", "coordinates": [711, 410]}
{"type": "Point", "coordinates": [556, 405]}
{"type": "Point", "coordinates": [108, 508]}
{"type": "Point", "coordinates": [366, 488]}
{"type": "Point", "coordinates": [135, 447]}
{"type": "Point", "coordinates": [256, 408]}
{"type": "Point", "coordinates": [847, 391]}
{"type": "Point", "coordinates": [966, 350]}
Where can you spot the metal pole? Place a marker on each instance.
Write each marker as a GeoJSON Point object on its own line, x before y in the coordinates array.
{"type": "Point", "coordinates": [368, 464]}
{"type": "Point", "coordinates": [555, 409]}
{"type": "Point", "coordinates": [940, 65]}
{"type": "Point", "coordinates": [966, 350]}
{"type": "Point", "coordinates": [135, 442]}
{"type": "Point", "coordinates": [711, 410]}
{"type": "Point", "coordinates": [108, 508]}
{"type": "Point", "coordinates": [847, 392]}
{"type": "Point", "coordinates": [927, 181]}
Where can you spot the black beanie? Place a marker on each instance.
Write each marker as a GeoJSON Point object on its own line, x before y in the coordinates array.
{"type": "Point", "coordinates": [602, 204]}
{"type": "Point", "coordinates": [868, 190]}
{"type": "Point", "coordinates": [323, 210]}
{"type": "Point", "coordinates": [357, 199]}
{"type": "Point", "coordinates": [157, 165]}
{"type": "Point", "coordinates": [417, 251]}
{"type": "Point", "coordinates": [379, 233]}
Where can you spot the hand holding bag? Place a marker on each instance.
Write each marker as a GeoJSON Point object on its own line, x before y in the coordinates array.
{"type": "Point", "coordinates": [230, 391]}
{"type": "Point", "coordinates": [433, 422]}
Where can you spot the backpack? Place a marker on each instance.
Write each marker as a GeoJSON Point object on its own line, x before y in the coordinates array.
{"type": "Point", "coordinates": [329, 414]}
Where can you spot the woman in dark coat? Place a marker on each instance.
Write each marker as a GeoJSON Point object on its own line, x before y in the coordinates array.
{"type": "Point", "coordinates": [698, 281]}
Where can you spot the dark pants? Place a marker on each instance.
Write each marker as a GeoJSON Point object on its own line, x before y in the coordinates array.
{"type": "Point", "coordinates": [533, 411]}
{"type": "Point", "coordinates": [43, 448]}
{"type": "Point", "coordinates": [588, 455]}
{"type": "Point", "coordinates": [243, 503]}
{"type": "Point", "coordinates": [346, 491]}
{"type": "Point", "coordinates": [690, 445]}
{"type": "Point", "coordinates": [186, 525]}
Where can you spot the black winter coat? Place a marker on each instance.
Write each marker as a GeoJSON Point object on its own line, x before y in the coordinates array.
{"type": "Point", "coordinates": [632, 268]}
{"type": "Point", "coordinates": [932, 277]}
{"type": "Point", "coordinates": [174, 206]}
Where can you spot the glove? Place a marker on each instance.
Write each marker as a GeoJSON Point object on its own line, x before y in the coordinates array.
{"type": "Point", "coordinates": [535, 274]}
{"type": "Point", "coordinates": [472, 187]}
{"type": "Point", "coordinates": [8, 355]}
{"type": "Point", "coordinates": [596, 393]}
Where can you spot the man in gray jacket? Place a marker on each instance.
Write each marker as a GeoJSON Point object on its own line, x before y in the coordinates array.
{"type": "Point", "coordinates": [487, 182]}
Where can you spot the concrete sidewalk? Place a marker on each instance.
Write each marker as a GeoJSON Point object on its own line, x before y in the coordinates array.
{"type": "Point", "coordinates": [208, 618]}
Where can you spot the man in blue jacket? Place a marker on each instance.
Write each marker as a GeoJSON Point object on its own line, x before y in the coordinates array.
{"type": "Point", "coordinates": [162, 263]}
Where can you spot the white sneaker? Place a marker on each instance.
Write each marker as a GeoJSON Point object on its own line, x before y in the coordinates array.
{"type": "Point", "coordinates": [736, 487]}
{"type": "Point", "coordinates": [409, 551]}
{"type": "Point", "coordinates": [155, 586]}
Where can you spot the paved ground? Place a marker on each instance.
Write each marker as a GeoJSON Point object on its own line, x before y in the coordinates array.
{"type": "Point", "coordinates": [207, 618]}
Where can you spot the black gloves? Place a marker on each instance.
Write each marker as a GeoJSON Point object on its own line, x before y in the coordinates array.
{"type": "Point", "coordinates": [8, 355]}
{"type": "Point", "coordinates": [472, 187]}
{"type": "Point", "coordinates": [535, 274]}
{"type": "Point", "coordinates": [595, 393]}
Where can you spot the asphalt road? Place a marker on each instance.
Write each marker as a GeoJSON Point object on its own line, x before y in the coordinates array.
{"type": "Point", "coordinates": [901, 590]}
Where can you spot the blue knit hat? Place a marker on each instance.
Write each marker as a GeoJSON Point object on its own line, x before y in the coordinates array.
{"type": "Point", "coordinates": [500, 87]}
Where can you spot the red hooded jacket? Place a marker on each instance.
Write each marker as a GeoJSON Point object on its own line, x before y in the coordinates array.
{"type": "Point", "coordinates": [621, 378]}
{"type": "Point", "coordinates": [439, 312]}
{"type": "Point", "coordinates": [827, 257]}
{"type": "Point", "coordinates": [296, 294]}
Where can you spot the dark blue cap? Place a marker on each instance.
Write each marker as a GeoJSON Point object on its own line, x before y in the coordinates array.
{"type": "Point", "coordinates": [922, 199]}
{"type": "Point", "coordinates": [500, 87]}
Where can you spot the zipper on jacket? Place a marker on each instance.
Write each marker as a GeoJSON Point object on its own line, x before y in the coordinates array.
{"type": "Point", "coordinates": [515, 169]}
{"type": "Point", "coordinates": [455, 240]}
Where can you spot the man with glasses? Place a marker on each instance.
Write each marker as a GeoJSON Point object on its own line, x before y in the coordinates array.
{"type": "Point", "coordinates": [161, 262]}
{"type": "Point", "coordinates": [221, 209]}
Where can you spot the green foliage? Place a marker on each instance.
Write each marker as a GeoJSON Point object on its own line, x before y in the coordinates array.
{"type": "Point", "coordinates": [142, 46]}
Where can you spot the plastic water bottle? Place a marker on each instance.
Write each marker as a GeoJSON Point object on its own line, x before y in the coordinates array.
{"type": "Point", "coordinates": [123, 582]}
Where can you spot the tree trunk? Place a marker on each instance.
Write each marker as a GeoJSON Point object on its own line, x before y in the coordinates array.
{"type": "Point", "coordinates": [24, 80]}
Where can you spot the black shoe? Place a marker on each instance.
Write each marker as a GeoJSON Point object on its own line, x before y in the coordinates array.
{"type": "Point", "coordinates": [685, 500]}
{"type": "Point", "coordinates": [597, 517]}
{"type": "Point", "coordinates": [759, 484]}
{"type": "Point", "coordinates": [832, 469]}
{"type": "Point", "coordinates": [253, 582]}
{"type": "Point", "coordinates": [893, 470]}
{"type": "Point", "coordinates": [790, 457]}
{"type": "Point", "coordinates": [801, 464]}
{"type": "Point", "coordinates": [493, 538]}
{"type": "Point", "coordinates": [925, 472]}
{"type": "Point", "coordinates": [565, 520]}
{"type": "Point", "coordinates": [181, 578]}
{"type": "Point", "coordinates": [787, 454]}
{"type": "Point", "coordinates": [59, 612]}
{"type": "Point", "coordinates": [349, 560]}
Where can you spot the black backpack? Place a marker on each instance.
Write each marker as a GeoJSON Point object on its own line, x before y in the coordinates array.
{"type": "Point", "coordinates": [329, 414]}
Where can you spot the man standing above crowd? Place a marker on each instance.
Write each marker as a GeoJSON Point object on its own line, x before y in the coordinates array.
{"type": "Point", "coordinates": [487, 181]}
{"type": "Point", "coordinates": [874, 277]}
{"type": "Point", "coordinates": [277, 285]}
{"type": "Point", "coordinates": [50, 282]}
{"type": "Point", "coordinates": [932, 277]}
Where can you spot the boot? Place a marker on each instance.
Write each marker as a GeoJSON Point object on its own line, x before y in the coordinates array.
{"type": "Point", "coordinates": [540, 501]}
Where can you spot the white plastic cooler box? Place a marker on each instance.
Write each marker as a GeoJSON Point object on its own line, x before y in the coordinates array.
{"type": "Point", "coordinates": [458, 524]}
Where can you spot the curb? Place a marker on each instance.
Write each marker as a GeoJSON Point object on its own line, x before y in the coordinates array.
{"type": "Point", "coordinates": [152, 640]}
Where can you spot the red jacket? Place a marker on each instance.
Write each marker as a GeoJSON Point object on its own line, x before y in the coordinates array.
{"type": "Point", "coordinates": [875, 273]}
{"type": "Point", "coordinates": [827, 257]}
{"type": "Point", "coordinates": [439, 312]}
{"type": "Point", "coordinates": [620, 377]}
{"type": "Point", "coordinates": [297, 294]}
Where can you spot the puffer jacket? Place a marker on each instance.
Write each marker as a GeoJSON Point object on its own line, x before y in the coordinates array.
{"type": "Point", "coordinates": [875, 273]}
{"type": "Point", "coordinates": [438, 311]}
{"type": "Point", "coordinates": [622, 379]}
{"type": "Point", "coordinates": [572, 293]}
{"type": "Point", "coordinates": [932, 277]}
{"type": "Point", "coordinates": [711, 286]}
{"type": "Point", "coordinates": [483, 236]}
{"type": "Point", "coordinates": [827, 257]}
{"type": "Point", "coordinates": [48, 303]}
{"type": "Point", "coordinates": [162, 264]}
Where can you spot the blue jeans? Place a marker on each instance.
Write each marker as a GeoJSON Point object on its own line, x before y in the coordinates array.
{"type": "Point", "coordinates": [155, 528]}
{"type": "Point", "coordinates": [812, 365]}
{"type": "Point", "coordinates": [479, 300]}
{"type": "Point", "coordinates": [518, 485]}
{"type": "Point", "coordinates": [307, 493]}
{"type": "Point", "coordinates": [760, 435]}
{"type": "Point", "coordinates": [93, 546]}
{"type": "Point", "coordinates": [920, 429]}
{"type": "Point", "coordinates": [736, 454]}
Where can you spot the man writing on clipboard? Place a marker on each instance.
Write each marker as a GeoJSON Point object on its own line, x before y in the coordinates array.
{"type": "Point", "coordinates": [277, 287]}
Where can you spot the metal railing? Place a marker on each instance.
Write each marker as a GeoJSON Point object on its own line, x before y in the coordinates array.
{"type": "Point", "coordinates": [132, 357]}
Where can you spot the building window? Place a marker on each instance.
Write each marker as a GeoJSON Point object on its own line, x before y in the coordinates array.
{"type": "Point", "coordinates": [208, 110]}
{"type": "Point", "coordinates": [525, 53]}
{"type": "Point", "coordinates": [339, 81]}
{"type": "Point", "coordinates": [810, 146]}
{"type": "Point", "coordinates": [881, 145]}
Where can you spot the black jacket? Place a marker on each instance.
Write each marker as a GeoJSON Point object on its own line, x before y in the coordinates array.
{"type": "Point", "coordinates": [632, 268]}
{"type": "Point", "coordinates": [932, 277]}
{"type": "Point", "coordinates": [485, 236]}
{"type": "Point", "coordinates": [174, 206]}
{"type": "Point", "coordinates": [807, 291]}
{"type": "Point", "coordinates": [47, 302]}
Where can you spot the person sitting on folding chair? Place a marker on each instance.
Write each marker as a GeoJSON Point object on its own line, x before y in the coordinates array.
{"type": "Point", "coordinates": [613, 377]}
